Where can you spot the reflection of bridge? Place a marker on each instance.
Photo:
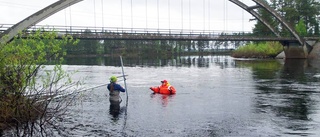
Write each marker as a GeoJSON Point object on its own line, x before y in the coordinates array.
{"type": "Point", "coordinates": [295, 46]}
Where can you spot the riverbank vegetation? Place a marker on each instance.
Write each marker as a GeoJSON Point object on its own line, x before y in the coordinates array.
{"type": "Point", "coordinates": [258, 50]}
{"type": "Point", "coordinates": [27, 88]}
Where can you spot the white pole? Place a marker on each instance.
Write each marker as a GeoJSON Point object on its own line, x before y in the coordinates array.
{"type": "Point", "coordinates": [124, 79]}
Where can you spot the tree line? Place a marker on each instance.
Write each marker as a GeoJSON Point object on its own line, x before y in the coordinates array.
{"type": "Point", "coordinates": [149, 47]}
{"type": "Point", "coordinates": [303, 12]}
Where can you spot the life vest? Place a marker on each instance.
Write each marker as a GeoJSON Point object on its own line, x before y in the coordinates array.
{"type": "Point", "coordinates": [164, 89]}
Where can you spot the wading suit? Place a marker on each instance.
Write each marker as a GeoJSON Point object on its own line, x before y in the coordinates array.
{"type": "Point", "coordinates": [115, 90]}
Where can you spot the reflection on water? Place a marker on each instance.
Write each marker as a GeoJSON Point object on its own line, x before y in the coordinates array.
{"type": "Point", "coordinates": [216, 96]}
{"type": "Point", "coordinates": [163, 99]}
{"type": "Point", "coordinates": [288, 91]}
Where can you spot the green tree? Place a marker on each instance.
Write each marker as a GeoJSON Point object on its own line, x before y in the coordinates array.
{"type": "Point", "coordinates": [260, 29]}
{"type": "Point", "coordinates": [301, 28]}
{"type": "Point", "coordinates": [292, 11]}
{"type": "Point", "coordinates": [28, 89]}
{"type": "Point", "coordinates": [308, 10]}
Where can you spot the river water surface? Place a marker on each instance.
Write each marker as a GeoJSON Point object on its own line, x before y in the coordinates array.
{"type": "Point", "coordinates": [216, 96]}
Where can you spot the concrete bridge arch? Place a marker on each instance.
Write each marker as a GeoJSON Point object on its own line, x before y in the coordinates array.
{"type": "Point", "coordinates": [36, 18]}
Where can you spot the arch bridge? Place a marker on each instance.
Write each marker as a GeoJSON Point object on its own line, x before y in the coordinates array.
{"type": "Point", "coordinates": [297, 48]}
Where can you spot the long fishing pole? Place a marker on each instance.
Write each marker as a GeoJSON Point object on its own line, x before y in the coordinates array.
{"type": "Point", "coordinates": [100, 85]}
{"type": "Point", "coordinates": [124, 80]}
{"type": "Point", "coordinates": [93, 87]}
{"type": "Point", "coordinates": [125, 85]}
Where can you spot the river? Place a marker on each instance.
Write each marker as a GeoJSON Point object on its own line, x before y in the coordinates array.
{"type": "Point", "coordinates": [216, 96]}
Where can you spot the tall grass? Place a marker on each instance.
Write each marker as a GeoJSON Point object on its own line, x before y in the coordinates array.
{"type": "Point", "coordinates": [258, 50]}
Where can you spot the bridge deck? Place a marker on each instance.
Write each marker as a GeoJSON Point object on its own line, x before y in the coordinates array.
{"type": "Point", "coordinates": [100, 33]}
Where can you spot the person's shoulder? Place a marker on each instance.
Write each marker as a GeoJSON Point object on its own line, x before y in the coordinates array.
{"type": "Point", "coordinates": [116, 84]}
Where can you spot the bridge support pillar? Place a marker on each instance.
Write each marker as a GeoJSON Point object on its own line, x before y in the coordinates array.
{"type": "Point", "coordinates": [295, 51]}
{"type": "Point", "coordinates": [315, 52]}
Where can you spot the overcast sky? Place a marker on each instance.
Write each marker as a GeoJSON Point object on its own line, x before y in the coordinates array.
{"type": "Point", "coordinates": [216, 15]}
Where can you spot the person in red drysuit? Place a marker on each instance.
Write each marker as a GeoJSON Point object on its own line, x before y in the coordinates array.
{"type": "Point", "coordinates": [164, 88]}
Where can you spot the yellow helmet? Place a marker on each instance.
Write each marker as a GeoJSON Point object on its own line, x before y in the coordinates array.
{"type": "Point", "coordinates": [113, 79]}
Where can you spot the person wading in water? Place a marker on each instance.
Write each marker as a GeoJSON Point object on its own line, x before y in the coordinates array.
{"type": "Point", "coordinates": [114, 93]}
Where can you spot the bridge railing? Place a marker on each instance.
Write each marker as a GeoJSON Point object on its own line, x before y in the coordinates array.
{"type": "Point", "coordinates": [83, 29]}
{"type": "Point", "coordinates": [4, 27]}
{"type": "Point", "coordinates": [98, 31]}
{"type": "Point", "coordinates": [86, 32]}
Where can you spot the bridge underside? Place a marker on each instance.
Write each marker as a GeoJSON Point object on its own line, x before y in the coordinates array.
{"type": "Point", "coordinates": [293, 50]}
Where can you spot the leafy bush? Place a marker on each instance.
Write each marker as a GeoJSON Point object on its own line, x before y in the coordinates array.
{"type": "Point", "coordinates": [258, 50]}
{"type": "Point", "coordinates": [27, 90]}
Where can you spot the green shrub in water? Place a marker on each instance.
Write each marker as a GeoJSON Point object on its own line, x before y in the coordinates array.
{"type": "Point", "coordinates": [258, 50]}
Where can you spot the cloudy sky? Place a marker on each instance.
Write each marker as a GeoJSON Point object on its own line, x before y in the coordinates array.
{"type": "Point", "coordinates": [215, 15]}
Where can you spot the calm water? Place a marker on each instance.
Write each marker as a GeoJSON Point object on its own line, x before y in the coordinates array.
{"type": "Point", "coordinates": [216, 96]}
